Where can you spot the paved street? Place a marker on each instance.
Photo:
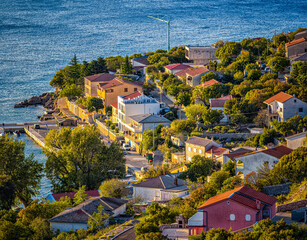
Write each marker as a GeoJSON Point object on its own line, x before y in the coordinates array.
{"type": "Point", "coordinates": [135, 160]}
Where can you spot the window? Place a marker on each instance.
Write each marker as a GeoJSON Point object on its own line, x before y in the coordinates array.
{"type": "Point", "coordinates": [189, 158]}
{"type": "Point", "coordinates": [126, 90]}
{"type": "Point", "coordinates": [195, 150]}
{"type": "Point", "coordinates": [280, 109]}
{"type": "Point", "coordinates": [232, 217]}
{"type": "Point", "coordinates": [200, 151]}
{"type": "Point", "coordinates": [247, 217]}
{"type": "Point", "coordinates": [189, 149]}
{"type": "Point", "coordinates": [265, 212]}
{"type": "Point", "coordinates": [300, 109]}
{"type": "Point", "coordinates": [135, 89]}
{"type": "Point", "coordinates": [294, 100]}
{"type": "Point", "coordinates": [228, 202]}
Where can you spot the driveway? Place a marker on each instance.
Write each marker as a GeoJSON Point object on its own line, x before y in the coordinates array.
{"type": "Point", "coordinates": [135, 160]}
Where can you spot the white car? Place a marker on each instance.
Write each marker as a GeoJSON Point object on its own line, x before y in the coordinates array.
{"type": "Point", "coordinates": [126, 146]}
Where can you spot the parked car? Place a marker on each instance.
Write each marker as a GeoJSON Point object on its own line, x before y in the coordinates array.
{"type": "Point", "coordinates": [125, 152]}
{"type": "Point", "coordinates": [126, 146]}
{"type": "Point", "coordinates": [37, 126]}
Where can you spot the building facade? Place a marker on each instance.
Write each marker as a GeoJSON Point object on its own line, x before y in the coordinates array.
{"type": "Point", "coordinates": [200, 55]}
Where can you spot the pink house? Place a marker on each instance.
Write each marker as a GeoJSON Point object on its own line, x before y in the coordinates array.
{"type": "Point", "coordinates": [236, 209]}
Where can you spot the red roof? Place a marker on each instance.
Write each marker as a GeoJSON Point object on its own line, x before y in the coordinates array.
{"type": "Point", "coordinates": [116, 82]}
{"type": "Point", "coordinates": [177, 66]}
{"type": "Point", "coordinates": [238, 153]}
{"type": "Point", "coordinates": [142, 60]}
{"type": "Point", "coordinates": [279, 97]}
{"type": "Point", "coordinates": [297, 41]}
{"type": "Point", "coordinates": [196, 71]}
{"type": "Point", "coordinates": [209, 83]}
{"type": "Point", "coordinates": [132, 95]}
{"type": "Point", "coordinates": [115, 105]}
{"type": "Point", "coordinates": [228, 97]}
{"type": "Point", "coordinates": [243, 195]}
{"type": "Point", "coordinates": [102, 77]}
{"type": "Point", "coordinates": [90, 193]}
{"type": "Point", "coordinates": [217, 151]}
{"type": "Point", "coordinates": [278, 151]}
{"type": "Point", "coordinates": [182, 73]}
{"type": "Point", "coordinates": [220, 102]}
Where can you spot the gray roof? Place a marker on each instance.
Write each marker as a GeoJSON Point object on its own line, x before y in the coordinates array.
{"type": "Point", "coordinates": [82, 212]}
{"type": "Point", "coordinates": [300, 57]}
{"type": "Point", "coordinates": [198, 141]}
{"type": "Point", "coordinates": [149, 118]}
{"type": "Point", "coordinates": [296, 136]}
{"type": "Point", "coordinates": [275, 190]}
{"type": "Point", "coordinates": [165, 182]}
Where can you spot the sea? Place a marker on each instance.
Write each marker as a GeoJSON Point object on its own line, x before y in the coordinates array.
{"type": "Point", "coordinates": [37, 37]}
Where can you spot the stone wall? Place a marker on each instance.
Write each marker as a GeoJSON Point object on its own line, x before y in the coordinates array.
{"type": "Point", "coordinates": [291, 206]}
{"type": "Point", "coordinates": [229, 136]}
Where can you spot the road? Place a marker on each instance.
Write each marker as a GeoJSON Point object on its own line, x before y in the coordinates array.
{"type": "Point", "coordinates": [156, 95]}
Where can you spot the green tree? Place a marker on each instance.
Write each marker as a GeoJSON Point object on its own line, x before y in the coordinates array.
{"type": "Point", "coordinates": [113, 188]}
{"type": "Point", "coordinates": [126, 66]}
{"type": "Point", "coordinates": [254, 74]}
{"type": "Point", "coordinates": [7, 192]}
{"type": "Point", "coordinates": [183, 126]}
{"type": "Point", "coordinates": [213, 117]}
{"type": "Point", "coordinates": [25, 172]}
{"type": "Point", "coordinates": [80, 196]}
{"type": "Point", "coordinates": [98, 219]}
{"type": "Point", "coordinates": [74, 70]}
{"type": "Point", "coordinates": [94, 104]}
{"type": "Point", "coordinates": [184, 98]}
{"type": "Point", "coordinates": [71, 91]}
{"type": "Point", "coordinates": [77, 157]}
{"type": "Point", "coordinates": [209, 76]}
{"type": "Point", "coordinates": [58, 79]}
{"type": "Point", "coordinates": [278, 64]}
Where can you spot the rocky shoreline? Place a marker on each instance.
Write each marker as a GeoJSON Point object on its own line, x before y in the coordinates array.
{"type": "Point", "coordinates": [46, 99]}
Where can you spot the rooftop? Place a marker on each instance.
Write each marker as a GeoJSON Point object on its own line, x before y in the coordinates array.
{"type": "Point", "coordinates": [301, 57]}
{"type": "Point", "coordinates": [132, 95]}
{"type": "Point", "coordinates": [90, 193]}
{"type": "Point", "coordinates": [217, 151]}
{"type": "Point", "coordinates": [116, 82]}
{"type": "Point", "coordinates": [198, 141]}
{"type": "Point", "coordinates": [279, 97]}
{"type": "Point", "coordinates": [102, 77]}
{"type": "Point", "coordinates": [177, 66]}
{"type": "Point", "coordinates": [209, 83]}
{"type": "Point", "coordinates": [237, 153]}
{"type": "Point", "coordinates": [277, 152]}
{"type": "Point", "coordinates": [81, 212]}
{"type": "Point", "coordinates": [296, 136]}
{"type": "Point", "coordinates": [149, 118]}
{"type": "Point", "coordinates": [142, 60]}
{"type": "Point", "coordinates": [165, 182]}
{"type": "Point", "coordinates": [297, 41]}
{"type": "Point", "coordinates": [243, 195]}
{"type": "Point", "coordinates": [196, 71]}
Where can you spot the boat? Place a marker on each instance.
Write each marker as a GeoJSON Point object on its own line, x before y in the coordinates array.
{"type": "Point", "coordinates": [16, 133]}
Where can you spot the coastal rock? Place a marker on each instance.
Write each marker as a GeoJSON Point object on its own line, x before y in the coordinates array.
{"type": "Point", "coordinates": [46, 99]}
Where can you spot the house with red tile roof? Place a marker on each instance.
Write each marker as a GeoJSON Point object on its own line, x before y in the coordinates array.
{"type": "Point", "coordinates": [193, 76]}
{"type": "Point", "coordinates": [218, 104]}
{"type": "Point", "coordinates": [110, 90]}
{"type": "Point", "coordinates": [283, 106]}
{"type": "Point", "coordinates": [160, 188]}
{"type": "Point", "coordinates": [54, 197]}
{"type": "Point", "coordinates": [233, 210]}
{"type": "Point", "coordinates": [140, 64]}
{"type": "Point", "coordinates": [252, 161]}
{"type": "Point", "coordinates": [296, 47]}
{"type": "Point", "coordinates": [209, 83]}
{"type": "Point", "coordinates": [174, 68]}
{"type": "Point", "coordinates": [90, 82]}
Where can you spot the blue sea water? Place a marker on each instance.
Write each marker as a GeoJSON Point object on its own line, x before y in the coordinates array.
{"type": "Point", "coordinates": [37, 37]}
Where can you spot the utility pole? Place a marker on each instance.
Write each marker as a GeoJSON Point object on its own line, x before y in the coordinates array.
{"type": "Point", "coordinates": [167, 21]}
{"type": "Point", "coordinates": [153, 136]}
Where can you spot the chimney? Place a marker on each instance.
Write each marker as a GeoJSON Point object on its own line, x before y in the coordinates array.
{"type": "Point", "coordinates": [258, 203]}
{"type": "Point", "coordinates": [176, 181]}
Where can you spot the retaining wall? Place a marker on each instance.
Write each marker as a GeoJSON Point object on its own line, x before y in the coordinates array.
{"type": "Point", "coordinates": [291, 206]}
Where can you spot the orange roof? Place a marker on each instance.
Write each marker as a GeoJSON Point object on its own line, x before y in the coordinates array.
{"type": "Point", "coordinates": [279, 97]}
{"type": "Point", "coordinates": [102, 77]}
{"type": "Point", "coordinates": [297, 41]}
{"type": "Point", "coordinates": [182, 73]}
{"type": "Point", "coordinates": [132, 95]}
{"type": "Point", "coordinates": [177, 66]}
{"type": "Point", "coordinates": [115, 105]}
{"type": "Point", "coordinates": [209, 83]}
{"type": "Point", "coordinates": [115, 82]}
{"type": "Point", "coordinates": [197, 71]}
{"type": "Point", "coordinates": [219, 197]}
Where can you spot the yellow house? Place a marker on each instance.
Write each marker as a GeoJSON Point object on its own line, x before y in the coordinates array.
{"type": "Point", "coordinates": [178, 157]}
{"type": "Point", "coordinates": [179, 169]}
{"type": "Point", "coordinates": [110, 90]}
{"type": "Point", "coordinates": [91, 82]}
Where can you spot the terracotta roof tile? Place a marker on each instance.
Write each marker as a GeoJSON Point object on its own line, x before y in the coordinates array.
{"type": "Point", "coordinates": [114, 82]}
{"type": "Point", "coordinates": [209, 83]}
{"type": "Point", "coordinates": [182, 73]}
{"type": "Point", "coordinates": [197, 71]}
{"type": "Point", "coordinates": [243, 195]}
{"type": "Point", "coordinates": [279, 97]}
{"type": "Point", "coordinates": [102, 77]}
{"type": "Point", "coordinates": [297, 41]}
{"type": "Point", "coordinates": [132, 95]}
{"type": "Point", "coordinates": [177, 66]}
{"type": "Point", "coordinates": [115, 105]}
{"type": "Point", "coordinates": [217, 151]}
{"type": "Point", "coordinates": [278, 151]}
{"type": "Point", "coordinates": [237, 153]}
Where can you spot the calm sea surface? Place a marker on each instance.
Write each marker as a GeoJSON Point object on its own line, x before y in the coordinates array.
{"type": "Point", "coordinates": [37, 37]}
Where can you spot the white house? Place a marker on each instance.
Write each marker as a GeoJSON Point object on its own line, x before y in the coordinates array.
{"type": "Point", "coordinates": [140, 64]}
{"type": "Point", "coordinates": [297, 140]}
{"type": "Point", "coordinates": [218, 104]}
{"type": "Point", "coordinates": [77, 217]}
{"type": "Point", "coordinates": [135, 104]}
{"type": "Point", "coordinates": [200, 54]}
{"type": "Point", "coordinates": [160, 188]}
{"type": "Point", "coordinates": [174, 68]}
{"type": "Point", "coordinates": [283, 106]}
{"type": "Point", "coordinates": [251, 162]}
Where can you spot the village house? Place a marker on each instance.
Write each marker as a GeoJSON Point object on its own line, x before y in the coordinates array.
{"type": "Point", "coordinates": [77, 217]}
{"type": "Point", "coordinates": [179, 169]}
{"type": "Point", "coordinates": [54, 197]}
{"type": "Point", "coordinates": [178, 157]}
{"type": "Point", "coordinates": [218, 104]}
{"type": "Point", "coordinates": [300, 35]}
{"type": "Point", "coordinates": [110, 90]}
{"type": "Point", "coordinates": [203, 147]}
{"type": "Point", "coordinates": [91, 82]}
{"type": "Point", "coordinates": [200, 55]}
{"type": "Point", "coordinates": [296, 47]}
{"type": "Point", "coordinates": [251, 162]}
{"type": "Point", "coordinates": [174, 68]}
{"type": "Point", "coordinates": [297, 140]}
{"type": "Point", "coordinates": [140, 64]}
{"type": "Point", "coordinates": [283, 106]}
{"type": "Point", "coordinates": [134, 104]}
{"type": "Point", "coordinates": [236, 209]}
{"type": "Point", "coordinates": [140, 123]}
{"type": "Point", "coordinates": [179, 139]}
{"type": "Point", "coordinates": [160, 188]}
{"type": "Point", "coordinates": [235, 153]}
{"type": "Point", "coordinates": [209, 83]}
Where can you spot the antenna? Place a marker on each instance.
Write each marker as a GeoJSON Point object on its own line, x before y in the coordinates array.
{"type": "Point", "coordinates": [168, 20]}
